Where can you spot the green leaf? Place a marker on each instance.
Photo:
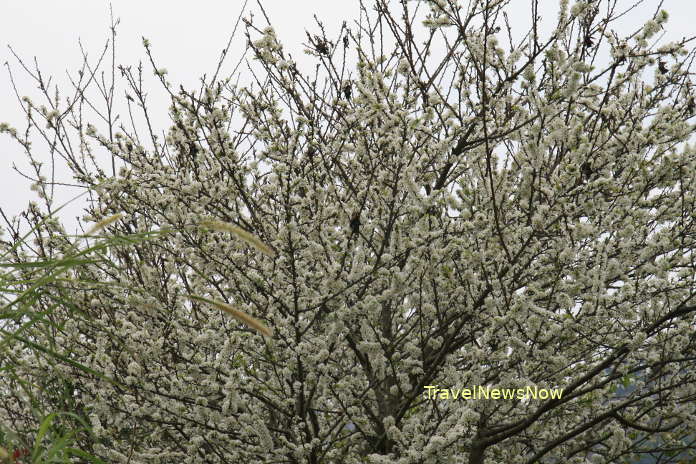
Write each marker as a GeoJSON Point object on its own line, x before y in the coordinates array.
{"type": "Point", "coordinates": [43, 429]}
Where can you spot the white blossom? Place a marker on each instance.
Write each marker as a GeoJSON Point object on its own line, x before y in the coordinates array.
{"type": "Point", "coordinates": [518, 217]}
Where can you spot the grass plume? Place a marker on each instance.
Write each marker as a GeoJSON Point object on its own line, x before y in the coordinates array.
{"type": "Point", "coordinates": [103, 223]}
{"type": "Point", "coordinates": [241, 316]}
{"type": "Point", "coordinates": [251, 239]}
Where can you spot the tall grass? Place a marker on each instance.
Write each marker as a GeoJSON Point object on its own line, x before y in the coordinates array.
{"type": "Point", "coordinates": [54, 436]}
{"type": "Point", "coordinates": [27, 325]}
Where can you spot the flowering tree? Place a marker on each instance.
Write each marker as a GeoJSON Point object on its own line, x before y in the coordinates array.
{"type": "Point", "coordinates": [460, 210]}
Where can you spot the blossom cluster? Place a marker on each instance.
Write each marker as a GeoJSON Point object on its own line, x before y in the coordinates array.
{"type": "Point", "coordinates": [515, 218]}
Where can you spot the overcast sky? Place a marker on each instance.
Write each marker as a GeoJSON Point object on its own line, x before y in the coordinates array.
{"type": "Point", "coordinates": [187, 42]}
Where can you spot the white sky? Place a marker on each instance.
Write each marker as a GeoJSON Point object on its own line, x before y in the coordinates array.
{"type": "Point", "coordinates": [187, 42]}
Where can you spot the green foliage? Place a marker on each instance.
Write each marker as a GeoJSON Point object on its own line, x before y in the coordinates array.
{"type": "Point", "coordinates": [57, 430]}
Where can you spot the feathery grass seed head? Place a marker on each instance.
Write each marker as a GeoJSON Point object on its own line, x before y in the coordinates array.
{"type": "Point", "coordinates": [251, 239]}
{"type": "Point", "coordinates": [103, 223]}
{"type": "Point", "coordinates": [241, 316]}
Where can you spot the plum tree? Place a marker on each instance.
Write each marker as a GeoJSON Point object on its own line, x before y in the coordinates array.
{"type": "Point", "coordinates": [455, 209]}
